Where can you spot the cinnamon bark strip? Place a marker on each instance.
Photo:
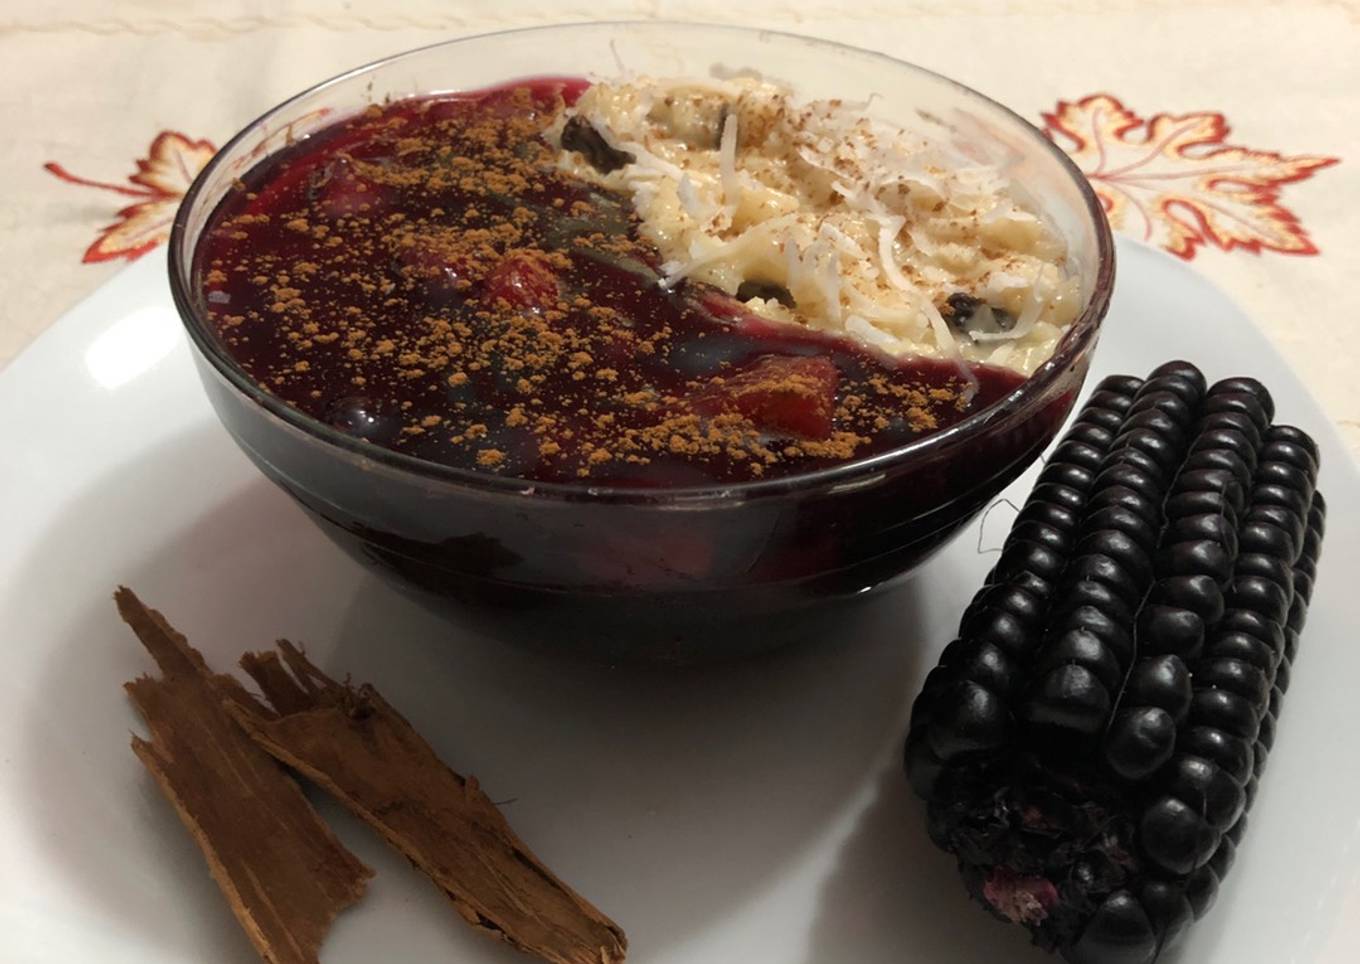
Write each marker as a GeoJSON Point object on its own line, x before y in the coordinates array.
{"type": "Point", "coordinates": [353, 744]}
{"type": "Point", "coordinates": [284, 873]}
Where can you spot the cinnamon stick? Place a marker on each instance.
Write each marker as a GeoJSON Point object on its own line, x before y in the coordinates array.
{"type": "Point", "coordinates": [279, 866]}
{"type": "Point", "coordinates": [352, 743]}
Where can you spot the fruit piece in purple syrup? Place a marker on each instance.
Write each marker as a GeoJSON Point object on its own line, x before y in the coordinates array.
{"type": "Point", "coordinates": [438, 269]}
{"type": "Point", "coordinates": [342, 192]}
{"type": "Point", "coordinates": [781, 394]}
{"type": "Point", "coordinates": [525, 280]}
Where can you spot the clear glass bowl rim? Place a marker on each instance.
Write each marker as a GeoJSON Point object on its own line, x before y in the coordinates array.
{"type": "Point", "coordinates": [1072, 346]}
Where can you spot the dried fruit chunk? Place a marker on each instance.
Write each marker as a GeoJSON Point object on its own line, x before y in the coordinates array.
{"type": "Point", "coordinates": [524, 279]}
{"type": "Point", "coordinates": [579, 135]}
{"type": "Point", "coordinates": [781, 394]}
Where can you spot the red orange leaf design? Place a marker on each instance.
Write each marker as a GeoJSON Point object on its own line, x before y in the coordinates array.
{"type": "Point", "coordinates": [1174, 181]}
{"type": "Point", "coordinates": [162, 177]}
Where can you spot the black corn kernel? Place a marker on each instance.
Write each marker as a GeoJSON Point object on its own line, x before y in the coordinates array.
{"type": "Point", "coordinates": [1122, 385]}
{"type": "Point", "coordinates": [1120, 547]}
{"type": "Point", "coordinates": [1268, 538]}
{"type": "Point", "coordinates": [1162, 682]}
{"type": "Point", "coordinates": [1188, 390]}
{"type": "Point", "coordinates": [1225, 711]}
{"type": "Point", "coordinates": [1092, 434]}
{"type": "Point", "coordinates": [1201, 556]}
{"type": "Point", "coordinates": [1089, 746]}
{"type": "Point", "coordinates": [1272, 568]}
{"type": "Point", "coordinates": [1198, 593]}
{"type": "Point", "coordinates": [1243, 647]}
{"type": "Point", "coordinates": [1032, 558]}
{"type": "Point", "coordinates": [1260, 595]}
{"type": "Point", "coordinates": [1253, 624]}
{"type": "Point", "coordinates": [1175, 837]}
{"type": "Point", "coordinates": [1296, 436]}
{"type": "Point", "coordinates": [1209, 790]}
{"type": "Point", "coordinates": [1278, 472]}
{"type": "Point", "coordinates": [1286, 497]}
{"type": "Point", "coordinates": [1200, 889]}
{"type": "Point", "coordinates": [968, 717]}
{"type": "Point", "coordinates": [990, 667]}
{"type": "Point", "coordinates": [1187, 370]}
{"type": "Point", "coordinates": [1057, 496]}
{"type": "Point", "coordinates": [1140, 741]}
{"type": "Point", "coordinates": [1000, 628]}
{"type": "Point", "coordinates": [1199, 502]}
{"type": "Point", "coordinates": [1120, 496]}
{"type": "Point", "coordinates": [1042, 533]}
{"type": "Point", "coordinates": [1213, 526]}
{"type": "Point", "coordinates": [1230, 753]}
{"type": "Point", "coordinates": [1237, 676]}
{"type": "Point", "coordinates": [1170, 629]}
{"type": "Point", "coordinates": [1230, 433]}
{"type": "Point", "coordinates": [1105, 400]}
{"type": "Point", "coordinates": [1171, 404]}
{"type": "Point", "coordinates": [1101, 568]}
{"type": "Point", "coordinates": [1134, 454]}
{"type": "Point", "coordinates": [1246, 385]}
{"type": "Point", "coordinates": [1098, 623]}
{"type": "Point", "coordinates": [1222, 860]}
{"type": "Point", "coordinates": [1077, 453]}
{"type": "Point", "coordinates": [1285, 517]}
{"type": "Point", "coordinates": [1104, 598]}
{"type": "Point", "coordinates": [1068, 698]}
{"type": "Point", "coordinates": [1063, 473]}
{"type": "Point", "coordinates": [1116, 518]}
{"type": "Point", "coordinates": [1081, 647]}
{"type": "Point", "coordinates": [1248, 405]}
{"type": "Point", "coordinates": [1119, 922]}
{"type": "Point", "coordinates": [1223, 459]}
{"type": "Point", "coordinates": [1167, 908]}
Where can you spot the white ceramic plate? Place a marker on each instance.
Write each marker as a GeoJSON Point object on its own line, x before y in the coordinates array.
{"type": "Point", "coordinates": [745, 813]}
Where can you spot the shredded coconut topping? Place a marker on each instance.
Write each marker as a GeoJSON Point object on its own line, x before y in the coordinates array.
{"type": "Point", "coordinates": [870, 228]}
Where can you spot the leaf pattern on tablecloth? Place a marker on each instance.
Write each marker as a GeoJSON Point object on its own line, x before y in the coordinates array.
{"type": "Point", "coordinates": [170, 166]}
{"type": "Point", "coordinates": [1174, 181]}
{"type": "Point", "coordinates": [1170, 179]}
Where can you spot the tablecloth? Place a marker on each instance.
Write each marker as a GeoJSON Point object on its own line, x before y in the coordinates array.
{"type": "Point", "coordinates": [1225, 133]}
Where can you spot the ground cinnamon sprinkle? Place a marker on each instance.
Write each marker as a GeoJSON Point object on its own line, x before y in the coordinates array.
{"type": "Point", "coordinates": [425, 277]}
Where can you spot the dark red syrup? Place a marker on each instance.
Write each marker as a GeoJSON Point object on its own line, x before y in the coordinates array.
{"type": "Point", "coordinates": [423, 277]}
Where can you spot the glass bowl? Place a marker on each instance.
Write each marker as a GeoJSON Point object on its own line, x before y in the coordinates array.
{"type": "Point", "coordinates": [672, 575]}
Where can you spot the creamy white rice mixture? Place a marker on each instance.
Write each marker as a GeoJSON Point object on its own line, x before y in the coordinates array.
{"type": "Point", "coordinates": [869, 227]}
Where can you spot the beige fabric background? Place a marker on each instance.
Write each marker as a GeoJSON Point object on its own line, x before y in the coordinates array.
{"type": "Point", "coordinates": [89, 84]}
